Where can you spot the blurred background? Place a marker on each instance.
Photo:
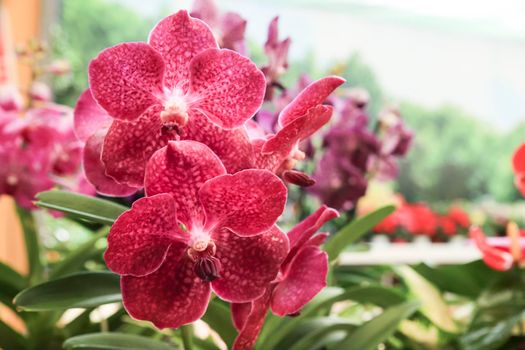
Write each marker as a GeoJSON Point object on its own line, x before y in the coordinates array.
{"type": "Point", "coordinates": [454, 68]}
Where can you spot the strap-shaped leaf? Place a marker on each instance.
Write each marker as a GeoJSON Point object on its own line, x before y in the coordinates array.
{"type": "Point", "coordinates": [81, 290]}
{"type": "Point", "coordinates": [374, 332]}
{"type": "Point", "coordinates": [376, 295]}
{"type": "Point", "coordinates": [10, 339]}
{"type": "Point", "coordinates": [84, 207]}
{"type": "Point", "coordinates": [115, 341]}
{"type": "Point", "coordinates": [218, 317]}
{"type": "Point", "coordinates": [75, 259]}
{"type": "Point", "coordinates": [355, 230]}
{"type": "Point", "coordinates": [433, 305]}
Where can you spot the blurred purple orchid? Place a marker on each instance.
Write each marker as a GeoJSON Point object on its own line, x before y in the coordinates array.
{"type": "Point", "coordinates": [229, 28]}
{"type": "Point", "coordinates": [277, 52]}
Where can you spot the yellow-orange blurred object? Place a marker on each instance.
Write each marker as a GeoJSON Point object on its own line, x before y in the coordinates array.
{"type": "Point", "coordinates": [19, 23]}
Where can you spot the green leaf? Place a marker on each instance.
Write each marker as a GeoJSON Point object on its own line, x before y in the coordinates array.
{"type": "Point", "coordinates": [376, 295]}
{"type": "Point", "coordinates": [355, 230]}
{"type": "Point", "coordinates": [318, 337]}
{"type": "Point", "coordinates": [115, 341]}
{"type": "Point", "coordinates": [10, 339]}
{"type": "Point", "coordinates": [74, 260]}
{"type": "Point", "coordinates": [374, 332]}
{"type": "Point", "coordinates": [433, 306]}
{"type": "Point", "coordinates": [468, 280]}
{"type": "Point", "coordinates": [499, 309]}
{"type": "Point", "coordinates": [80, 206]}
{"type": "Point", "coordinates": [32, 244]}
{"type": "Point", "coordinates": [82, 290]}
{"type": "Point", "coordinates": [10, 278]}
{"type": "Point", "coordinates": [218, 317]}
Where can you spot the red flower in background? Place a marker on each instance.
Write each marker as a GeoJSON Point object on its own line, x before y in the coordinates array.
{"type": "Point", "coordinates": [389, 225]}
{"type": "Point", "coordinates": [501, 253]}
{"type": "Point", "coordinates": [198, 229]}
{"type": "Point", "coordinates": [459, 216]}
{"type": "Point", "coordinates": [302, 275]}
{"type": "Point", "coordinates": [518, 165]}
{"type": "Point", "coordinates": [447, 225]}
{"type": "Point", "coordinates": [419, 219]}
{"type": "Point", "coordinates": [178, 85]}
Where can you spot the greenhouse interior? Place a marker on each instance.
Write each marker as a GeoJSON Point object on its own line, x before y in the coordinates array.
{"type": "Point", "coordinates": [268, 175]}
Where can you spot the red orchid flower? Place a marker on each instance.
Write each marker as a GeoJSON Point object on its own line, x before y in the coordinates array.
{"type": "Point", "coordinates": [302, 275]}
{"type": "Point", "coordinates": [298, 120]}
{"type": "Point", "coordinates": [500, 253]}
{"type": "Point", "coordinates": [179, 85]}
{"type": "Point", "coordinates": [518, 165]}
{"type": "Point", "coordinates": [198, 229]}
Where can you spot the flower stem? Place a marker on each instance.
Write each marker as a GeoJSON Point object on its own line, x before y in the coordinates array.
{"type": "Point", "coordinates": [187, 332]}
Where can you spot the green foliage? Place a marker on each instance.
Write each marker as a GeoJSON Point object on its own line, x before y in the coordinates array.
{"type": "Point", "coordinates": [374, 332]}
{"type": "Point", "coordinates": [81, 206]}
{"type": "Point", "coordinates": [355, 230]}
{"type": "Point", "coordinates": [88, 27]}
{"type": "Point", "coordinates": [456, 156]}
{"type": "Point", "coordinates": [81, 290]}
{"type": "Point", "coordinates": [115, 341]}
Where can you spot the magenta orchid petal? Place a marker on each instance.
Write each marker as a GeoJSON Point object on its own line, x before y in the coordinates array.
{"type": "Point", "coordinates": [233, 146]}
{"type": "Point", "coordinates": [180, 169]}
{"type": "Point", "coordinates": [248, 202]}
{"type": "Point", "coordinates": [306, 228]}
{"type": "Point", "coordinates": [240, 313]}
{"type": "Point", "coordinates": [249, 264]}
{"type": "Point", "coordinates": [179, 38]}
{"type": "Point", "coordinates": [170, 297]}
{"type": "Point", "coordinates": [228, 87]}
{"type": "Point", "coordinates": [140, 238]}
{"type": "Point", "coordinates": [89, 117]}
{"type": "Point", "coordinates": [129, 145]}
{"type": "Point", "coordinates": [306, 276]}
{"type": "Point", "coordinates": [95, 170]}
{"type": "Point", "coordinates": [318, 239]}
{"type": "Point", "coordinates": [253, 324]}
{"type": "Point", "coordinates": [298, 129]}
{"type": "Point", "coordinates": [314, 94]}
{"type": "Point", "coordinates": [126, 79]}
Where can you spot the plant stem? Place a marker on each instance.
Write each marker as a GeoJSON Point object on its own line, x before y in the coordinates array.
{"type": "Point", "coordinates": [187, 332]}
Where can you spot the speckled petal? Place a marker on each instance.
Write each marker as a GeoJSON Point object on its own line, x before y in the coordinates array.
{"type": "Point", "coordinates": [240, 313]}
{"type": "Point", "coordinates": [181, 169]}
{"type": "Point", "coordinates": [249, 264]}
{"type": "Point", "coordinates": [228, 87]}
{"type": "Point", "coordinates": [126, 79]}
{"type": "Point", "coordinates": [129, 145]}
{"type": "Point", "coordinates": [304, 230]}
{"type": "Point", "coordinates": [247, 337]}
{"type": "Point", "coordinates": [170, 297]}
{"type": "Point", "coordinates": [178, 38]}
{"type": "Point", "coordinates": [232, 146]}
{"type": "Point", "coordinates": [140, 238]}
{"type": "Point", "coordinates": [95, 170]}
{"type": "Point", "coordinates": [298, 129]}
{"type": "Point", "coordinates": [248, 202]}
{"type": "Point", "coordinates": [89, 117]}
{"type": "Point", "coordinates": [305, 278]}
{"type": "Point", "coordinates": [314, 94]}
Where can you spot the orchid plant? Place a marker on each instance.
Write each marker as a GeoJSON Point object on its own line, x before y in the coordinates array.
{"type": "Point", "coordinates": [206, 147]}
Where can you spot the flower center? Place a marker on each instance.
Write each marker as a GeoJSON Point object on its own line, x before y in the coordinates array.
{"type": "Point", "coordinates": [206, 266]}
{"type": "Point", "coordinates": [175, 113]}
